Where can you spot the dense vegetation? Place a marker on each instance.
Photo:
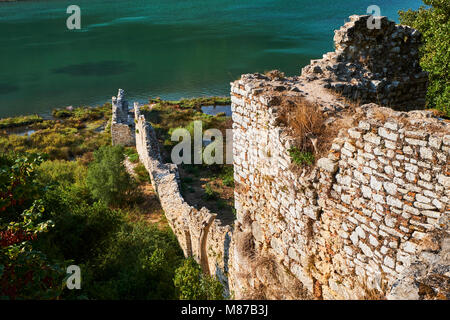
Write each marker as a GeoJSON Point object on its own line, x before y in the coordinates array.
{"type": "Point", "coordinates": [434, 24]}
{"type": "Point", "coordinates": [66, 223]}
{"type": "Point", "coordinates": [19, 121]}
{"type": "Point", "coordinates": [60, 138]}
{"type": "Point", "coordinates": [81, 207]}
{"type": "Point", "coordinates": [187, 281]}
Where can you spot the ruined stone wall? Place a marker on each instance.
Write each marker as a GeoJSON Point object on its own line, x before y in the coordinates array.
{"type": "Point", "coordinates": [122, 127]}
{"type": "Point", "coordinates": [349, 227]}
{"type": "Point", "coordinates": [199, 233]}
{"type": "Point", "coordinates": [374, 65]}
{"type": "Point", "coordinates": [368, 220]}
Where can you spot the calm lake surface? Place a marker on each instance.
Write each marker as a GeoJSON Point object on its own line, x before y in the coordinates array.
{"type": "Point", "coordinates": [165, 48]}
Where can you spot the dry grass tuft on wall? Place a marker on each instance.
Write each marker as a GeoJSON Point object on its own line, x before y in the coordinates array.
{"type": "Point", "coordinates": [307, 124]}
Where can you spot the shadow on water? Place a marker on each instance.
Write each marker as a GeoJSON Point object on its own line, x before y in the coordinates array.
{"type": "Point", "coordinates": [6, 88]}
{"type": "Point", "coordinates": [97, 69]}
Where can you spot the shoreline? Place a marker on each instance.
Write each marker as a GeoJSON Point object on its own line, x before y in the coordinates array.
{"type": "Point", "coordinates": [25, 120]}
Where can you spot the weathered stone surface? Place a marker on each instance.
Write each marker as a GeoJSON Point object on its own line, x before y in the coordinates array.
{"type": "Point", "coordinates": [379, 195]}
{"type": "Point", "coordinates": [368, 65]}
{"type": "Point", "coordinates": [327, 165]}
{"type": "Point", "coordinates": [122, 128]}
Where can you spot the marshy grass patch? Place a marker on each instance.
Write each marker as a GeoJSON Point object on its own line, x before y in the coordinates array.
{"type": "Point", "coordinates": [19, 121]}
{"type": "Point", "coordinates": [67, 137]}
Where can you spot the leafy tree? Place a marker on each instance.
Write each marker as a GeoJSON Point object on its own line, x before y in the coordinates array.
{"type": "Point", "coordinates": [82, 225]}
{"type": "Point", "coordinates": [192, 284]}
{"type": "Point", "coordinates": [108, 179]}
{"type": "Point", "coordinates": [25, 272]}
{"type": "Point", "coordinates": [434, 24]}
{"type": "Point", "coordinates": [18, 184]}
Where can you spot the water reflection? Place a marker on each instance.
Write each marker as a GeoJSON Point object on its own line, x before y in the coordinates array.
{"type": "Point", "coordinates": [6, 88]}
{"type": "Point", "coordinates": [96, 69]}
{"type": "Point", "coordinates": [213, 110]}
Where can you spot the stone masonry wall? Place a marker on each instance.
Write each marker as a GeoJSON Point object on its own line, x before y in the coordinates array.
{"type": "Point", "coordinates": [122, 129]}
{"type": "Point", "coordinates": [370, 219]}
{"type": "Point", "coordinates": [199, 233]}
{"type": "Point", "coordinates": [374, 65]}
{"type": "Point", "coordinates": [353, 224]}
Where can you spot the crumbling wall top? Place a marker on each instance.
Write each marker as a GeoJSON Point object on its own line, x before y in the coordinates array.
{"type": "Point", "coordinates": [388, 51]}
{"type": "Point", "coordinates": [370, 64]}
{"type": "Point", "coordinates": [120, 108]}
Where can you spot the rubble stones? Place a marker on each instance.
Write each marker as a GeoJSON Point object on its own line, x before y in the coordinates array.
{"type": "Point", "coordinates": [368, 64]}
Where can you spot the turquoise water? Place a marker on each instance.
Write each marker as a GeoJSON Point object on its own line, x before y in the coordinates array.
{"type": "Point", "coordinates": [165, 48]}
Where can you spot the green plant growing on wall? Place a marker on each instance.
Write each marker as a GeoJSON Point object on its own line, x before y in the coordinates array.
{"type": "Point", "coordinates": [132, 155]}
{"type": "Point", "coordinates": [301, 158]}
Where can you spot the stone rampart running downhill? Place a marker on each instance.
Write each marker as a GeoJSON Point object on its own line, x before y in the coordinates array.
{"type": "Point", "coordinates": [200, 234]}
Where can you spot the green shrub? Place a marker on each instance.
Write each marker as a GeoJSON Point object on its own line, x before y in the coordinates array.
{"type": "Point", "coordinates": [192, 284]}
{"type": "Point", "coordinates": [132, 155]}
{"type": "Point", "coordinates": [434, 24]}
{"type": "Point", "coordinates": [139, 263]}
{"type": "Point", "coordinates": [25, 271]}
{"type": "Point", "coordinates": [58, 141]}
{"type": "Point", "coordinates": [62, 171]}
{"type": "Point", "coordinates": [118, 259]}
{"type": "Point", "coordinates": [19, 121]}
{"type": "Point", "coordinates": [19, 185]}
{"type": "Point", "coordinates": [107, 178]}
{"type": "Point", "coordinates": [62, 113]}
{"type": "Point", "coordinates": [142, 175]}
{"type": "Point", "coordinates": [80, 113]}
{"type": "Point", "coordinates": [228, 176]}
{"type": "Point", "coordinates": [210, 194]}
{"type": "Point", "coordinates": [301, 157]}
{"type": "Point", "coordinates": [81, 225]}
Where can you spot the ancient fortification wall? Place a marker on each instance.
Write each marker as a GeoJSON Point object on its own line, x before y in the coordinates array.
{"type": "Point", "coordinates": [378, 65]}
{"type": "Point", "coordinates": [353, 222]}
{"type": "Point", "coordinates": [199, 233]}
{"type": "Point", "coordinates": [122, 127]}
{"type": "Point", "coordinates": [368, 220]}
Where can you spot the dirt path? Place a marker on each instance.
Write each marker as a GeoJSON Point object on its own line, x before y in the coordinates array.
{"type": "Point", "coordinates": [149, 210]}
